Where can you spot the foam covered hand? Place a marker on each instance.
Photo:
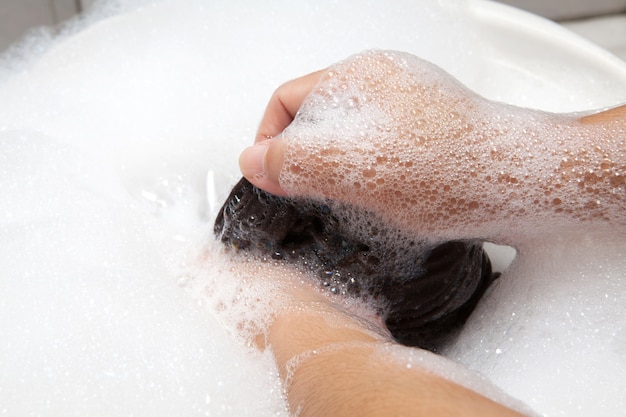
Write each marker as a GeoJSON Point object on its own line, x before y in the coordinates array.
{"type": "Point", "coordinates": [397, 135]}
{"type": "Point", "coordinates": [262, 163]}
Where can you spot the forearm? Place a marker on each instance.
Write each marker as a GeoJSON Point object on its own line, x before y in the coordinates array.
{"type": "Point", "coordinates": [393, 134]}
{"type": "Point", "coordinates": [331, 367]}
{"type": "Point", "coordinates": [511, 178]}
{"type": "Point", "coordinates": [616, 115]}
{"type": "Point", "coordinates": [540, 176]}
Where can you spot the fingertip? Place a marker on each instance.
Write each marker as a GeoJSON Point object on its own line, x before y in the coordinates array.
{"type": "Point", "coordinates": [261, 165]}
{"type": "Point", "coordinates": [252, 160]}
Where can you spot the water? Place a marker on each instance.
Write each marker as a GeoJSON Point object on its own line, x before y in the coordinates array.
{"type": "Point", "coordinates": [108, 305]}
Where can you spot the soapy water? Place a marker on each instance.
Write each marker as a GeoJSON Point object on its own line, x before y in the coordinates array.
{"type": "Point", "coordinates": [115, 299]}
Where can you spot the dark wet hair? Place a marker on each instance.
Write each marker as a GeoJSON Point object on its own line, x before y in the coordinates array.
{"type": "Point", "coordinates": [423, 292]}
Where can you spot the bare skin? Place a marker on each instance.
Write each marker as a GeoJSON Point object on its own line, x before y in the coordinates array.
{"type": "Point", "coordinates": [280, 112]}
{"type": "Point", "coordinates": [342, 373]}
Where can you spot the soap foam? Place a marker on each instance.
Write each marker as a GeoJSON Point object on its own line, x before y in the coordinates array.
{"type": "Point", "coordinates": [109, 127]}
{"type": "Point", "coordinates": [93, 321]}
{"type": "Point", "coordinates": [567, 320]}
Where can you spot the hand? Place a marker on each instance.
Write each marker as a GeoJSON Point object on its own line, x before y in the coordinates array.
{"type": "Point", "coordinates": [262, 163]}
{"type": "Point", "coordinates": [393, 134]}
{"type": "Point", "coordinates": [333, 363]}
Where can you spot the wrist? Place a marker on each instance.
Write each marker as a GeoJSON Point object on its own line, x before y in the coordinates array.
{"type": "Point", "coordinates": [316, 325]}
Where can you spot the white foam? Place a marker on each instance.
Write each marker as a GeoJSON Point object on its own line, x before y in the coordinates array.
{"type": "Point", "coordinates": [562, 332]}
{"type": "Point", "coordinates": [107, 135]}
{"type": "Point", "coordinates": [92, 319]}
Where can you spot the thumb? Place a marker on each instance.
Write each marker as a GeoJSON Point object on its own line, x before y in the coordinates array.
{"type": "Point", "coordinates": [262, 162]}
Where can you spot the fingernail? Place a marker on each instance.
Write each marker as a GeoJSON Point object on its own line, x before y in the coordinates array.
{"type": "Point", "coordinates": [252, 160]}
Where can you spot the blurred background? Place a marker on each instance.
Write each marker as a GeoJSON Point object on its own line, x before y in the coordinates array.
{"type": "Point", "coordinates": [601, 21]}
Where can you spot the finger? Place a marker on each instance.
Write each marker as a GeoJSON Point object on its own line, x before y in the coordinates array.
{"type": "Point", "coordinates": [262, 162]}
{"type": "Point", "coordinates": [284, 105]}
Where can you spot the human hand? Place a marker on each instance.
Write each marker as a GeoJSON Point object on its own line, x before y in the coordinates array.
{"type": "Point", "coordinates": [334, 363]}
{"type": "Point", "coordinates": [391, 133]}
{"type": "Point", "coordinates": [384, 102]}
{"type": "Point", "coordinates": [262, 163]}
